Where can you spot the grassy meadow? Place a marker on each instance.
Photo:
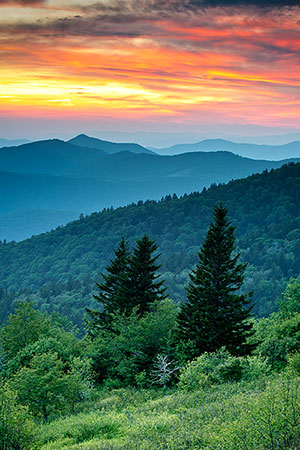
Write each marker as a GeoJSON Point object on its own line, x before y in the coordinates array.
{"type": "Point", "coordinates": [258, 415]}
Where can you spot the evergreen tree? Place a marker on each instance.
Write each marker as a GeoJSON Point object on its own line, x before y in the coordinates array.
{"type": "Point", "coordinates": [143, 289]}
{"type": "Point", "coordinates": [215, 314]}
{"type": "Point", "coordinates": [111, 293]}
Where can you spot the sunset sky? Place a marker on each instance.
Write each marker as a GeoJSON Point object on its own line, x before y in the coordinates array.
{"type": "Point", "coordinates": [148, 65]}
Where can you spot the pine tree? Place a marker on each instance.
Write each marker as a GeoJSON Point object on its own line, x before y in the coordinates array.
{"type": "Point", "coordinates": [111, 290]}
{"type": "Point", "coordinates": [143, 289]}
{"type": "Point", "coordinates": [215, 314]}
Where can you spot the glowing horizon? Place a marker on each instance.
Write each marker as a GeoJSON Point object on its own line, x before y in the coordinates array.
{"type": "Point", "coordinates": [170, 61]}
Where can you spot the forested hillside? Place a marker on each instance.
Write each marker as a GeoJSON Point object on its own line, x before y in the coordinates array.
{"type": "Point", "coordinates": [58, 269]}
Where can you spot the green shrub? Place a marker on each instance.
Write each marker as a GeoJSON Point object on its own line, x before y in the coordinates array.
{"type": "Point", "coordinates": [279, 335]}
{"type": "Point", "coordinates": [254, 367]}
{"type": "Point", "coordinates": [48, 389]}
{"type": "Point", "coordinates": [24, 327]}
{"type": "Point", "coordinates": [267, 420]}
{"type": "Point", "coordinates": [17, 429]}
{"type": "Point", "coordinates": [221, 367]}
{"type": "Point", "coordinates": [211, 368]}
{"type": "Point", "coordinates": [130, 346]}
{"type": "Point", "coordinates": [64, 344]}
{"type": "Point", "coordinates": [294, 362]}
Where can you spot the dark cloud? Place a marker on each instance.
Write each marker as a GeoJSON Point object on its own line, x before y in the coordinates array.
{"type": "Point", "coordinates": [171, 6]}
{"type": "Point", "coordinates": [258, 3]}
{"type": "Point", "coordinates": [97, 25]}
{"type": "Point", "coordinates": [22, 2]}
{"type": "Point", "coordinates": [129, 18]}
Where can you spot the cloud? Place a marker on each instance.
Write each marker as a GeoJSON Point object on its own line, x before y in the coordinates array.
{"type": "Point", "coordinates": [177, 6]}
{"type": "Point", "coordinates": [22, 2]}
{"type": "Point", "coordinates": [95, 26]}
{"type": "Point", "coordinates": [258, 3]}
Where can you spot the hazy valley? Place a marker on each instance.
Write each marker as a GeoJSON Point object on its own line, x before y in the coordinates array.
{"type": "Point", "coordinates": [52, 182]}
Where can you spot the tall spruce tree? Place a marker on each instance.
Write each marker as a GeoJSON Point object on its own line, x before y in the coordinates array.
{"type": "Point", "coordinates": [143, 288]}
{"type": "Point", "coordinates": [215, 314]}
{"type": "Point", "coordinates": [111, 293]}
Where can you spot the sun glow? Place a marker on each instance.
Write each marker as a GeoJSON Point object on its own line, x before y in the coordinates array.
{"type": "Point", "coordinates": [73, 60]}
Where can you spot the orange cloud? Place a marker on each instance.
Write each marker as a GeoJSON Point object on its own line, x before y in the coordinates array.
{"type": "Point", "coordinates": [208, 64]}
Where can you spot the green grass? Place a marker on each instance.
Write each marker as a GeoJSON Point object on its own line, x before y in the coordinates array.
{"type": "Point", "coordinates": [264, 415]}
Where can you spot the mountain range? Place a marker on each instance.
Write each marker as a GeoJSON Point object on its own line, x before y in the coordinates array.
{"type": "Point", "coordinates": [12, 142]}
{"type": "Point", "coordinates": [269, 152]}
{"type": "Point", "coordinates": [51, 182]}
{"type": "Point", "coordinates": [82, 140]}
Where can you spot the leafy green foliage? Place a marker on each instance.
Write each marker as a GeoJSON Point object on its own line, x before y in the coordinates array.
{"type": "Point", "coordinates": [290, 303]}
{"type": "Point", "coordinates": [45, 386]}
{"type": "Point", "coordinates": [220, 367]}
{"type": "Point", "coordinates": [17, 429]}
{"type": "Point", "coordinates": [24, 327]}
{"type": "Point", "coordinates": [124, 354]}
{"type": "Point", "coordinates": [48, 372]}
{"type": "Point", "coordinates": [279, 334]}
{"type": "Point", "coordinates": [64, 344]}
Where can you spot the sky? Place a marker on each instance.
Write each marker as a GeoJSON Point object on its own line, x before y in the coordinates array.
{"type": "Point", "coordinates": [169, 66]}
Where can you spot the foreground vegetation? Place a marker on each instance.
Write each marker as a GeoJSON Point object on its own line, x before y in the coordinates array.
{"type": "Point", "coordinates": [260, 415]}
{"type": "Point", "coordinates": [151, 375]}
{"type": "Point", "coordinates": [59, 392]}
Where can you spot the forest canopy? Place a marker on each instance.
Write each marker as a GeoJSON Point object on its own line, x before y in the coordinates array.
{"type": "Point", "coordinates": [58, 270]}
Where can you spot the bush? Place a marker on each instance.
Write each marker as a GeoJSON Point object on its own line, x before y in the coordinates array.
{"type": "Point", "coordinates": [211, 368]}
{"type": "Point", "coordinates": [294, 362]}
{"type": "Point", "coordinates": [279, 336]}
{"type": "Point", "coordinates": [17, 429]}
{"type": "Point", "coordinates": [64, 344]}
{"type": "Point", "coordinates": [126, 351]}
{"type": "Point", "coordinates": [254, 367]}
{"type": "Point", "coordinates": [220, 367]}
{"type": "Point", "coordinates": [48, 389]}
{"type": "Point", "coordinates": [265, 421]}
{"type": "Point", "coordinates": [24, 327]}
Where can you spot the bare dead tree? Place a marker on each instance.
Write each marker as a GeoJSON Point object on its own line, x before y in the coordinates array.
{"type": "Point", "coordinates": [163, 371]}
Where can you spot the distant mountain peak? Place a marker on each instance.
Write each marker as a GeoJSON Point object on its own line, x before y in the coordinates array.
{"type": "Point", "coordinates": [84, 136]}
{"type": "Point", "coordinates": [107, 146]}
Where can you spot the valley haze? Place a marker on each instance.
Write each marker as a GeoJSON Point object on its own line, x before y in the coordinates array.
{"type": "Point", "coordinates": [47, 183]}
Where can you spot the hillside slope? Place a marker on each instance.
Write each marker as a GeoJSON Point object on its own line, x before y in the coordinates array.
{"type": "Point", "coordinates": [50, 157]}
{"type": "Point", "coordinates": [265, 208]}
{"type": "Point", "coordinates": [201, 168]}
